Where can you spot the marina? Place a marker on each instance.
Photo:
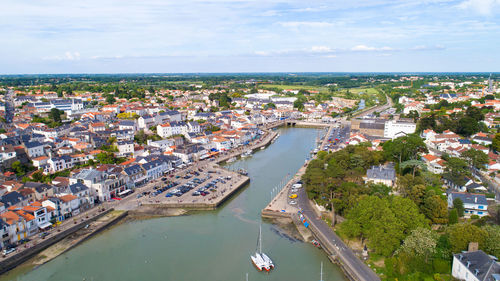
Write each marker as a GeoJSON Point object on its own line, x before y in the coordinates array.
{"type": "Point", "coordinates": [166, 248]}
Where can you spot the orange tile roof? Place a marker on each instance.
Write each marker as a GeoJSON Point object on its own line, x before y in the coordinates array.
{"type": "Point", "coordinates": [68, 197]}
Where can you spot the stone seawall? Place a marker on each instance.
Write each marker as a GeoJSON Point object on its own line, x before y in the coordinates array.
{"type": "Point", "coordinates": [26, 254]}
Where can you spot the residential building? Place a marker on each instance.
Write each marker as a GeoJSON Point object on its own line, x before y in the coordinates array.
{"type": "Point", "coordinates": [475, 266]}
{"type": "Point", "coordinates": [474, 204]}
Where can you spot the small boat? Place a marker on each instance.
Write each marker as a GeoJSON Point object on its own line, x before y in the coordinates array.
{"type": "Point", "coordinates": [243, 172]}
{"type": "Point", "coordinates": [262, 148]}
{"type": "Point", "coordinates": [230, 160]}
{"type": "Point", "coordinates": [247, 153]}
{"type": "Point", "coordinates": [260, 260]}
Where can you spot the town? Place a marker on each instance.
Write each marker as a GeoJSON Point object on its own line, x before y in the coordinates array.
{"type": "Point", "coordinates": [419, 152]}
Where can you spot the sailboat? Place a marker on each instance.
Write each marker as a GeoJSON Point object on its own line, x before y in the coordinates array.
{"type": "Point", "coordinates": [260, 260]}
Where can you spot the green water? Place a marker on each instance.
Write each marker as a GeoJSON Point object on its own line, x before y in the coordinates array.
{"type": "Point", "coordinates": [212, 245]}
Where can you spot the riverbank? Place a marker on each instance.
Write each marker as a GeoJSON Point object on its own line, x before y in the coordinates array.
{"type": "Point", "coordinates": [63, 241]}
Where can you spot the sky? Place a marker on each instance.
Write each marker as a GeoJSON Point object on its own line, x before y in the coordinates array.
{"type": "Point", "coordinates": [186, 36]}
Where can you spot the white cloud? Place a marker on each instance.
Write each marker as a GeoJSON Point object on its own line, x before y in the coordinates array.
{"type": "Point", "coordinates": [483, 7]}
{"type": "Point", "coordinates": [427, 48]}
{"type": "Point", "coordinates": [67, 56]}
{"type": "Point", "coordinates": [364, 48]}
{"type": "Point", "coordinates": [321, 49]}
{"type": "Point", "coordinates": [296, 24]}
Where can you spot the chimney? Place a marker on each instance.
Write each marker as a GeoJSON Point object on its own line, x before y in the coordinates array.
{"type": "Point", "coordinates": [473, 246]}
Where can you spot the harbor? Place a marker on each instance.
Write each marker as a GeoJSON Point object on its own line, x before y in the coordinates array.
{"type": "Point", "coordinates": [167, 248]}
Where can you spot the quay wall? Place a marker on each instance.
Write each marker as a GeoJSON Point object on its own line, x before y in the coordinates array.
{"type": "Point", "coordinates": [99, 229]}
{"type": "Point", "coordinates": [17, 259]}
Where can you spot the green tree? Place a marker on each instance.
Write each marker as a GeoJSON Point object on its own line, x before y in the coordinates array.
{"type": "Point", "coordinates": [456, 170]}
{"type": "Point", "coordinates": [421, 243]}
{"type": "Point", "coordinates": [467, 126]}
{"type": "Point", "coordinates": [476, 158]}
{"type": "Point", "coordinates": [55, 115]}
{"type": "Point", "coordinates": [453, 216]}
{"type": "Point", "coordinates": [110, 99]}
{"type": "Point", "coordinates": [404, 148]}
{"type": "Point", "coordinates": [474, 113]}
{"type": "Point", "coordinates": [383, 222]}
{"type": "Point", "coordinates": [436, 209]}
{"type": "Point", "coordinates": [458, 204]}
{"type": "Point", "coordinates": [496, 143]}
{"type": "Point", "coordinates": [492, 240]}
{"type": "Point", "coordinates": [461, 234]}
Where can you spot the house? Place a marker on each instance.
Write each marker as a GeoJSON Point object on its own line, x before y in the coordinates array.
{"type": "Point", "coordinates": [474, 204]}
{"type": "Point", "coordinates": [34, 149]}
{"type": "Point", "coordinates": [475, 266]}
{"type": "Point", "coordinates": [155, 169]}
{"type": "Point", "coordinates": [7, 155]}
{"type": "Point", "coordinates": [83, 193]}
{"type": "Point", "coordinates": [136, 174]}
{"type": "Point", "coordinates": [173, 128]}
{"type": "Point", "coordinates": [103, 185]}
{"type": "Point", "coordinates": [381, 174]}
{"type": "Point", "coordinates": [14, 227]}
{"type": "Point", "coordinates": [482, 138]}
{"type": "Point", "coordinates": [70, 205]}
{"type": "Point", "coordinates": [395, 129]}
{"type": "Point", "coordinates": [127, 125]}
{"type": "Point", "coordinates": [125, 148]}
{"type": "Point", "coordinates": [434, 164]}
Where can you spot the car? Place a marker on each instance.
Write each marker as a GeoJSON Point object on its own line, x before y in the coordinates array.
{"type": "Point", "coordinates": [293, 202]}
{"type": "Point", "coordinates": [293, 196]}
{"type": "Point", "coordinates": [297, 185]}
{"type": "Point", "coordinates": [8, 250]}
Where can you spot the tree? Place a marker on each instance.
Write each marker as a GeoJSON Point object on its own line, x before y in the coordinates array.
{"type": "Point", "coordinates": [453, 216]}
{"type": "Point", "coordinates": [404, 148]}
{"type": "Point", "coordinates": [55, 115]}
{"type": "Point", "coordinates": [476, 158]}
{"type": "Point", "coordinates": [456, 170]}
{"type": "Point", "coordinates": [436, 209]}
{"type": "Point", "coordinates": [461, 234]}
{"type": "Point", "coordinates": [110, 99]}
{"type": "Point", "coordinates": [270, 105]}
{"type": "Point", "coordinates": [299, 104]}
{"type": "Point", "coordinates": [496, 143]}
{"type": "Point", "coordinates": [18, 168]}
{"type": "Point", "coordinates": [384, 222]}
{"type": "Point", "coordinates": [421, 243]}
{"type": "Point", "coordinates": [413, 164]}
{"type": "Point", "coordinates": [475, 113]}
{"type": "Point", "coordinates": [467, 126]}
{"type": "Point", "coordinates": [458, 204]}
{"type": "Point", "coordinates": [492, 240]}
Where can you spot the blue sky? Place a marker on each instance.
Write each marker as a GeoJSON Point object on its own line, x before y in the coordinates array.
{"type": "Point", "coordinates": [125, 36]}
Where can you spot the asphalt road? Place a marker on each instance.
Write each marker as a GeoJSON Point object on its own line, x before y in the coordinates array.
{"type": "Point", "coordinates": [359, 269]}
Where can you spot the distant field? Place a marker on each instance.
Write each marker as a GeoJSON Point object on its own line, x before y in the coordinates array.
{"type": "Point", "coordinates": [294, 87]}
{"type": "Point", "coordinates": [368, 91]}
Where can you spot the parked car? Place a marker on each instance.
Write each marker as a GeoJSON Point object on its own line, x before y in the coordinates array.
{"type": "Point", "coordinates": [8, 250]}
{"type": "Point", "coordinates": [43, 234]}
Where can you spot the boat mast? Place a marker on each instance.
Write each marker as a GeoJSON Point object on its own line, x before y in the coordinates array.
{"type": "Point", "coordinates": [321, 279]}
{"type": "Point", "coordinates": [260, 239]}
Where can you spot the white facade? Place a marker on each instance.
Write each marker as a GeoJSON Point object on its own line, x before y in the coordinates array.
{"type": "Point", "coordinates": [396, 129]}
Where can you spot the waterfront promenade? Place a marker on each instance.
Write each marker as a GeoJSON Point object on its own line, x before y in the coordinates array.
{"type": "Point", "coordinates": [337, 250]}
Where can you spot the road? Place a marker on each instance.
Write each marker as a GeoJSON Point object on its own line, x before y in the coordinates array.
{"type": "Point", "coordinates": [379, 108]}
{"type": "Point", "coordinates": [353, 264]}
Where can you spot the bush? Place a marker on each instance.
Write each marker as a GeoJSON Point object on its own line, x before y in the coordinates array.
{"type": "Point", "coordinates": [474, 217]}
{"type": "Point", "coordinates": [441, 266]}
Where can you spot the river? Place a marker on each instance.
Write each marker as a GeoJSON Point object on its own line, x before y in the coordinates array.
{"type": "Point", "coordinates": [213, 245]}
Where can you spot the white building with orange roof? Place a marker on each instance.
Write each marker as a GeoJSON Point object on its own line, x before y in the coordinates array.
{"type": "Point", "coordinates": [15, 227]}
